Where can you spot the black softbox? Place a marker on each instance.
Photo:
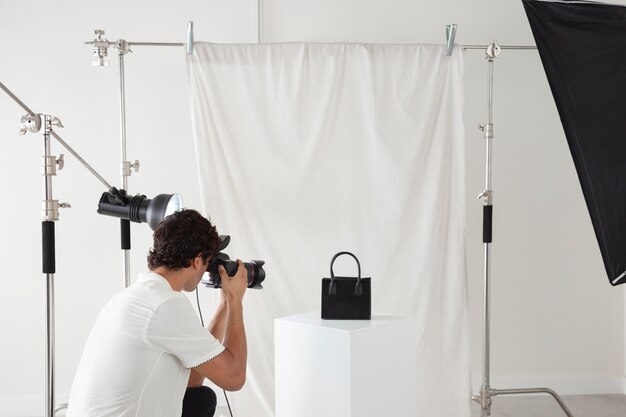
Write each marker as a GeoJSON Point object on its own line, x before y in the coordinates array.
{"type": "Point", "coordinates": [583, 50]}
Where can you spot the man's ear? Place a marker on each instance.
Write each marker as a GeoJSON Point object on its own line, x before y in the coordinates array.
{"type": "Point", "coordinates": [198, 262]}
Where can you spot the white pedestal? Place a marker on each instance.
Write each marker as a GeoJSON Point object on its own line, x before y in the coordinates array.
{"type": "Point", "coordinates": [345, 368]}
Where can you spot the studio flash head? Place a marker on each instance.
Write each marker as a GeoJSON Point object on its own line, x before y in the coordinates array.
{"type": "Point", "coordinates": [138, 208]}
{"type": "Point", "coordinates": [254, 269]}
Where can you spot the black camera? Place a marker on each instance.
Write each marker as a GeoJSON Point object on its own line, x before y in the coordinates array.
{"type": "Point", "coordinates": [256, 274]}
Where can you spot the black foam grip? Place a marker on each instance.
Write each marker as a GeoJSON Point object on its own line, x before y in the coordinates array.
{"type": "Point", "coordinates": [487, 223]}
{"type": "Point", "coordinates": [125, 233]}
{"type": "Point", "coordinates": [47, 248]}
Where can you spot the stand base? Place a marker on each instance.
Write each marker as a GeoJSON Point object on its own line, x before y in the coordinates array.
{"type": "Point", "coordinates": [484, 399]}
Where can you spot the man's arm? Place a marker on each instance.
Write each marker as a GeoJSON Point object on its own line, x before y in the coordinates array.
{"type": "Point", "coordinates": [228, 370]}
{"type": "Point", "coordinates": [217, 328]}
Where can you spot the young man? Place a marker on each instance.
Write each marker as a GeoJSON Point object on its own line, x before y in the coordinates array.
{"type": "Point", "coordinates": [147, 349]}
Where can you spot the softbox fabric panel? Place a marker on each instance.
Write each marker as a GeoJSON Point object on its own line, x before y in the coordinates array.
{"type": "Point", "coordinates": [583, 50]}
{"type": "Point", "coordinates": [305, 150]}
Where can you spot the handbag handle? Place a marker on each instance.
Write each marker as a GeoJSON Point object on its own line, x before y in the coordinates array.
{"type": "Point", "coordinates": [332, 289]}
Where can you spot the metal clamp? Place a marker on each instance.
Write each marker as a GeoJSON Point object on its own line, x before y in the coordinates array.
{"type": "Point", "coordinates": [484, 399]}
{"type": "Point", "coordinates": [492, 51]}
{"type": "Point", "coordinates": [450, 34]}
{"type": "Point", "coordinates": [48, 165]}
{"type": "Point", "coordinates": [126, 166]}
{"type": "Point", "coordinates": [55, 121]}
{"type": "Point", "coordinates": [50, 121]}
{"type": "Point", "coordinates": [100, 49]}
{"type": "Point", "coordinates": [488, 129]}
{"type": "Point", "coordinates": [487, 197]}
{"type": "Point", "coordinates": [122, 46]}
{"type": "Point", "coordinates": [50, 209]}
{"type": "Point", "coordinates": [190, 38]}
{"type": "Point", "coordinates": [60, 162]}
{"type": "Point", "coordinates": [30, 123]}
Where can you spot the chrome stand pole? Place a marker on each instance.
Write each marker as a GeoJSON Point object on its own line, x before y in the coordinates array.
{"type": "Point", "coordinates": [50, 343]}
{"type": "Point", "coordinates": [49, 215]}
{"type": "Point", "coordinates": [124, 166]}
{"type": "Point", "coordinates": [486, 392]}
{"type": "Point", "coordinates": [48, 265]}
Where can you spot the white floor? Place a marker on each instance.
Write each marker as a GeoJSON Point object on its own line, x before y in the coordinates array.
{"type": "Point", "coordinates": [609, 405]}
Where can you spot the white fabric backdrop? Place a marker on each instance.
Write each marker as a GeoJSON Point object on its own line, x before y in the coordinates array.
{"type": "Point", "coordinates": [305, 150]}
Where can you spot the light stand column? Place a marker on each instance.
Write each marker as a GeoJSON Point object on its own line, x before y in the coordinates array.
{"type": "Point", "coordinates": [125, 166]}
{"type": "Point", "coordinates": [49, 214]}
{"type": "Point", "coordinates": [49, 268]}
{"type": "Point", "coordinates": [487, 197]}
{"type": "Point", "coordinates": [486, 392]}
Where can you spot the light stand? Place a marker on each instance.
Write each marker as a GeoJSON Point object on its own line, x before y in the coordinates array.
{"type": "Point", "coordinates": [100, 51]}
{"type": "Point", "coordinates": [486, 392]}
{"type": "Point", "coordinates": [136, 208]}
{"type": "Point", "coordinates": [32, 123]}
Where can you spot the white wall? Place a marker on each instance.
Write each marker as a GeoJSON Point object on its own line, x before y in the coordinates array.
{"type": "Point", "coordinates": [556, 320]}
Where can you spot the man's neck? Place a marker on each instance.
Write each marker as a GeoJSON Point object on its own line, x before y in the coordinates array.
{"type": "Point", "coordinates": [175, 278]}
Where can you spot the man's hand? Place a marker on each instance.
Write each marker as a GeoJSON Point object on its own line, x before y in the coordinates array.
{"type": "Point", "coordinates": [234, 287]}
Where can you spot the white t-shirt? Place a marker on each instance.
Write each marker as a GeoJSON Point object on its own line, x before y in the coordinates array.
{"type": "Point", "coordinates": [137, 358]}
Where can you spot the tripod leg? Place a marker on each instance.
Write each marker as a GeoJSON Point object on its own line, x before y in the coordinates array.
{"type": "Point", "coordinates": [536, 391]}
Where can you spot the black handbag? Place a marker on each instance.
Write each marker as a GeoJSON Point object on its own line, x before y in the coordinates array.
{"type": "Point", "coordinates": [346, 298]}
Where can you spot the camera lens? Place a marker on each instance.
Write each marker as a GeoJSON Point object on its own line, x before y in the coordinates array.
{"type": "Point", "coordinates": [254, 270]}
{"type": "Point", "coordinates": [256, 273]}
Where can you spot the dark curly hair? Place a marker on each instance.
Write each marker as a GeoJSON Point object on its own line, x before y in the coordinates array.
{"type": "Point", "coordinates": [180, 237]}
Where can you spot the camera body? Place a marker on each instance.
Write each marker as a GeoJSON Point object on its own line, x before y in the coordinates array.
{"type": "Point", "coordinates": [254, 269]}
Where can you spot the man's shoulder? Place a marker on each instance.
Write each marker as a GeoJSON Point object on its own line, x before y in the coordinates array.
{"type": "Point", "coordinates": [149, 292]}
